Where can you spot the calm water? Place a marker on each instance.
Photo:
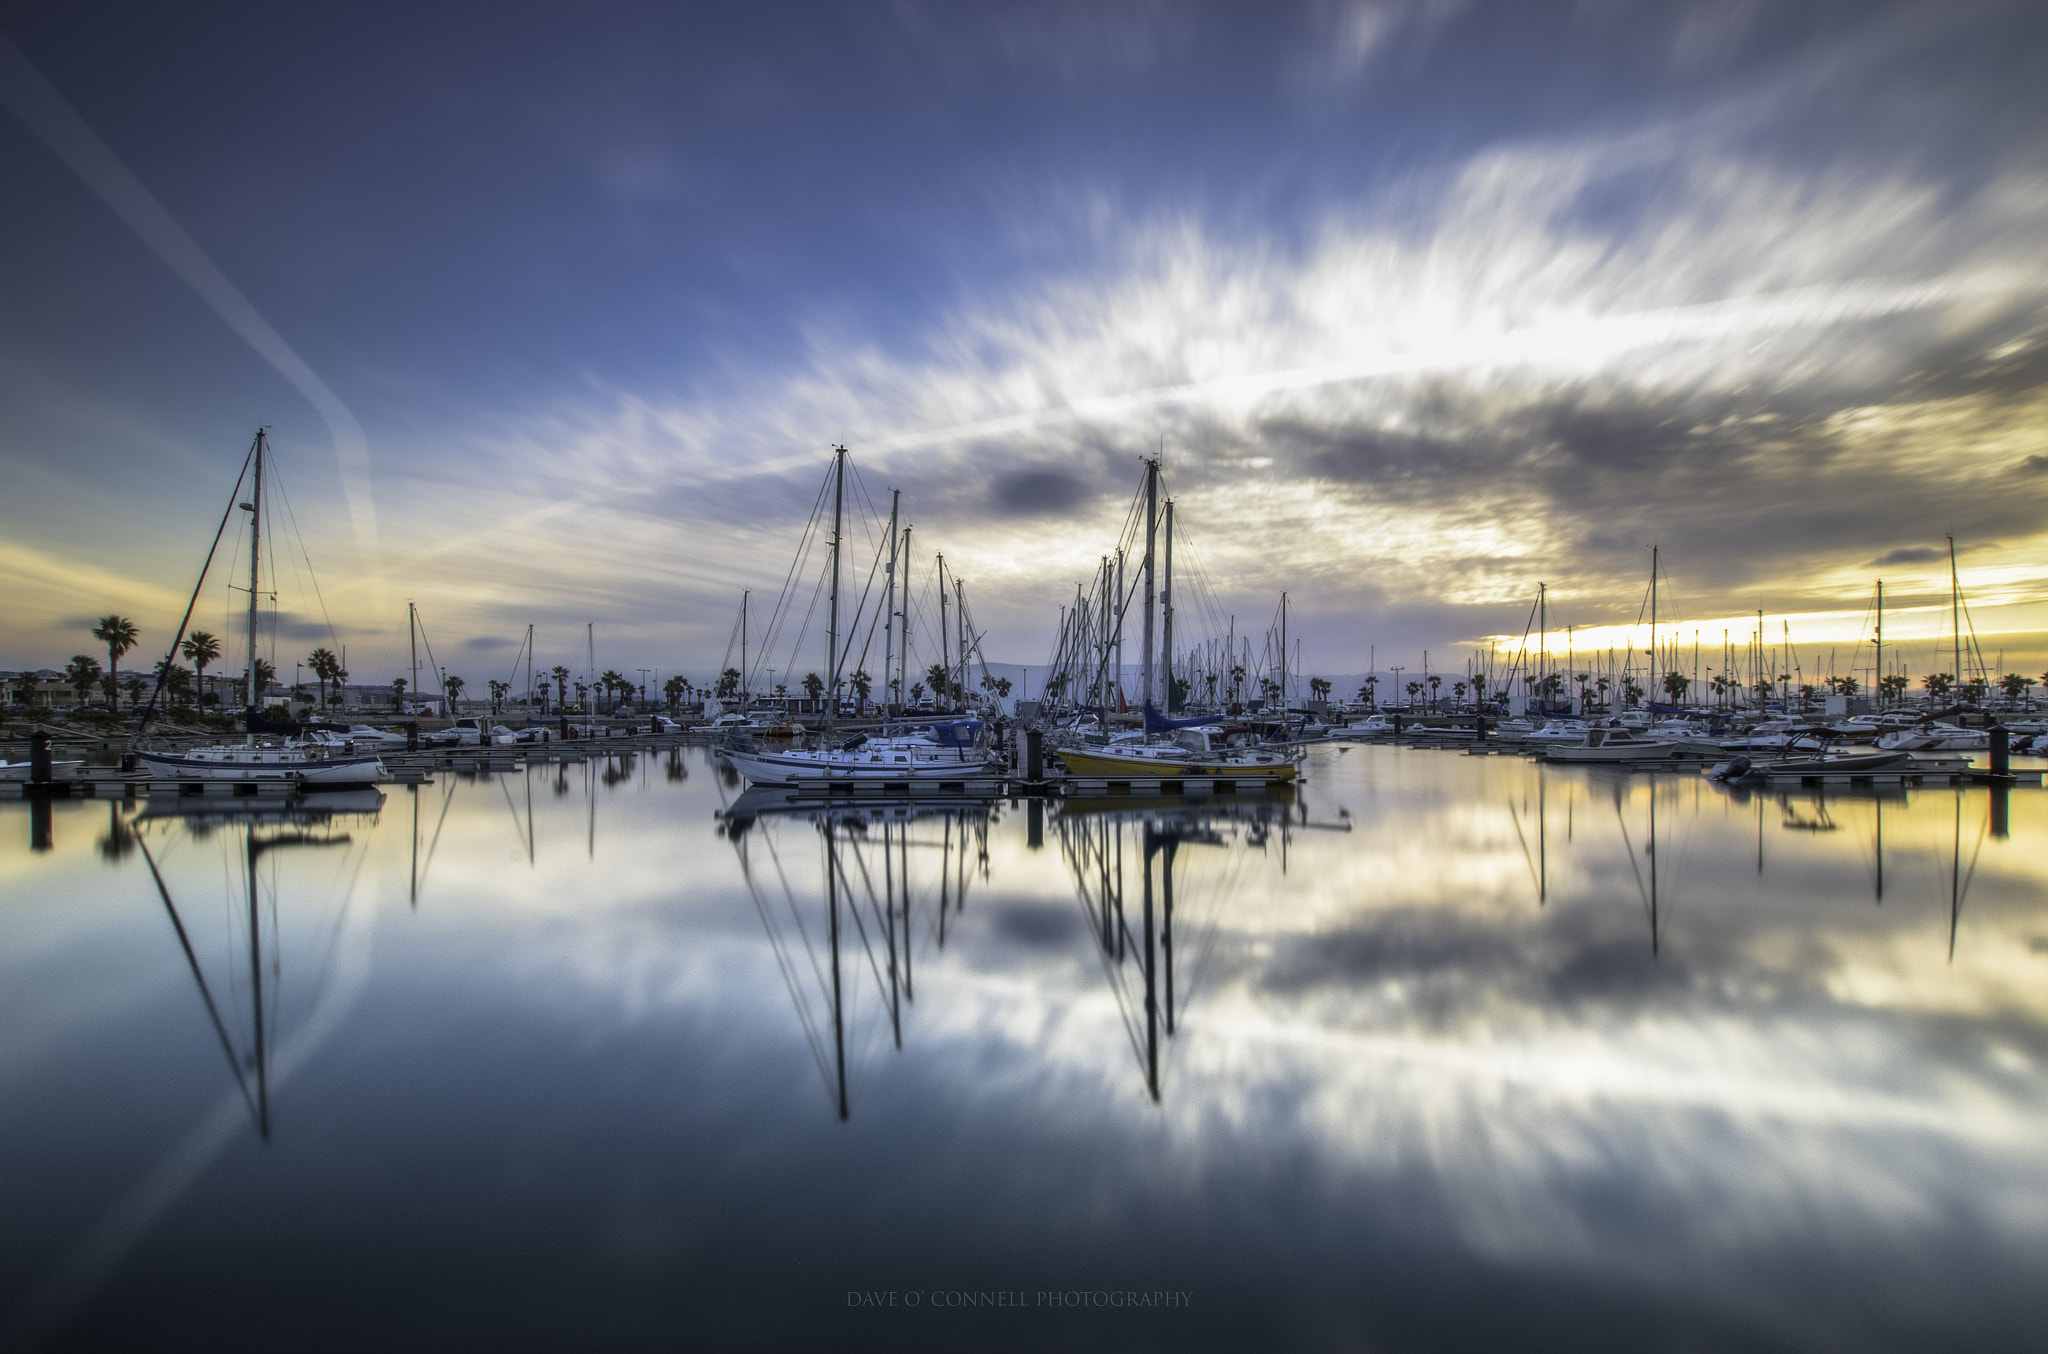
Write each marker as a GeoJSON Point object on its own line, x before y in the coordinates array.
{"type": "Point", "coordinates": [1444, 1053]}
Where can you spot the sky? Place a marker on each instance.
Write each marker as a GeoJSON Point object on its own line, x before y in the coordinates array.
{"type": "Point", "coordinates": [554, 314]}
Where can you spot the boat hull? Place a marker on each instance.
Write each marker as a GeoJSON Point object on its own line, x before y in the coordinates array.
{"type": "Point", "coordinates": [265, 768]}
{"type": "Point", "coordinates": [786, 769]}
{"type": "Point", "coordinates": [16, 773]}
{"type": "Point", "coordinates": [1089, 762]}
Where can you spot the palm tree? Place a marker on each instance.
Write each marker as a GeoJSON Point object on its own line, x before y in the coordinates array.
{"type": "Point", "coordinates": [119, 634]}
{"type": "Point", "coordinates": [83, 672]}
{"type": "Point", "coordinates": [1237, 682]}
{"type": "Point", "coordinates": [1367, 690]}
{"type": "Point", "coordinates": [814, 685]}
{"type": "Point", "coordinates": [397, 692]}
{"type": "Point", "coordinates": [582, 692]}
{"type": "Point", "coordinates": [200, 649]}
{"type": "Point", "coordinates": [264, 672]}
{"type": "Point", "coordinates": [2014, 686]}
{"type": "Point", "coordinates": [325, 666]}
{"type": "Point", "coordinates": [935, 677]}
{"type": "Point", "coordinates": [176, 681]}
{"type": "Point", "coordinates": [1435, 682]}
{"type": "Point", "coordinates": [1938, 684]}
{"type": "Point", "coordinates": [862, 684]}
{"type": "Point", "coordinates": [1319, 688]}
{"type": "Point", "coordinates": [728, 684]}
{"type": "Point", "coordinates": [1458, 694]}
{"type": "Point", "coordinates": [561, 676]}
{"type": "Point", "coordinates": [453, 686]}
{"type": "Point", "coordinates": [916, 692]}
{"type": "Point", "coordinates": [1675, 684]}
{"type": "Point", "coordinates": [498, 690]}
{"type": "Point", "coordinates": [674, 688]}
{"type": "Point", "coordinates": [614, 680]}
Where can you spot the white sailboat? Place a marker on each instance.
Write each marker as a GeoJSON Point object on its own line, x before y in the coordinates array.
{"type": "Point", "coordinates": [252, 762]}
{"type": "Point", "coordinates": [952, 751]}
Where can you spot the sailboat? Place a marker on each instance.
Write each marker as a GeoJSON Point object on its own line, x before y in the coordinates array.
{"type": "Point", "coordinates": [251, 762]}
{"type": "Point", "coordinates": [1175, 750]}
{"type": "Point", "coordinates": [954, 751]}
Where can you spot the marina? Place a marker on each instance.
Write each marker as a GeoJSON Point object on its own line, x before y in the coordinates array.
{"type": "Point", "coordinates": [1354, 676]}
{"type": "Point", "coordinates": [466, 980]}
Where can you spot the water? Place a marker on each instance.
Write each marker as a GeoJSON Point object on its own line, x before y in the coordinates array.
{"type": "Point", "coordinates": [1444, 1053]}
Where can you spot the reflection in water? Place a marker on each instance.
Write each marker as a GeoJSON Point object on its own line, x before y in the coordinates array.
{"type": "Point", "coordinates": [1553, 1039]}
{"type": "Point", "coordinates": [1139, 967]}
{"type": "Point", "coordinates": [866, 855]}
{"type": "Point", "coordinates": [265, 829]}
{"type": "Point", "coordinates": [253, 898]}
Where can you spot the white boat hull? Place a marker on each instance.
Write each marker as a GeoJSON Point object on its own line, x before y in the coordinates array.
{"type": "Point", "coordinates": [796, 768]}
{"type": "Point", "coordinates": [20, 772]}
{"type": "Point", "coordinates": [258, 766]}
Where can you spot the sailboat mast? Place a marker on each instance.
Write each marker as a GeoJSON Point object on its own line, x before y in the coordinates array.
{"type": "Point", "coordinates": [903, 657]}
{"type": "Point", "coordinates": [746, 682]}
{"type": "Point", "coordinates": [945, 654]}
{"type": "Point", "coordinates": [889, 616]}
{"type": "Point", "coordinates": [1122, 608]}
{"type": "Point", "coordinates": [1145, 677]}
{"type": "Point", "coordinates": [1954, 607]}
{"type": "Point", "coordinates": [832, 625]}
{"type": "Point", "coordinates": [1283, 660]}
{"type": "Point", "coordinates": [412, 638]}
{"type": "Point", "coordinates": [1102, 647]}
{"type": "Point", "coordinates": [1166, 614]}
{"type": "Point", "coordinates": [255, 570]}
{"type": "Point", "coordinates": [1879, 682]}
{"type": "Point", "coordinates": [1655, 666]}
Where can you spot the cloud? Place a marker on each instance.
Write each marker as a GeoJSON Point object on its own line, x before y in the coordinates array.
{"type": "Point", "coordinates": [1032, 493]}
{"type": "Point", "coordinates": [1930, 554]}
{"type": "Point", "coordinates": [487, 643]}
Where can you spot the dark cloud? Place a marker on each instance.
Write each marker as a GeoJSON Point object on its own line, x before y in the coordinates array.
{"type": "Point", "coordinates": [1033, 493]}
{"type": "Point", "coordinates": [289, 626]}
{"type": "Point", "coordinates": [1912, 554]}
{"type": "Point", "coordinates": [486, 642]}
{"type": "Point", "coordinates": [2034, 465]}
{"type": "Point", "coordinates": [1928, 554]}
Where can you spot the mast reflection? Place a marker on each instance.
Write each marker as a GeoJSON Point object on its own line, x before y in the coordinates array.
{"type": "Point", "coordinates": [265, 829]}
{"type": "Point", "coordinates": [870, 889]}
{"type": "Point", "coordinates": [1139, 967]}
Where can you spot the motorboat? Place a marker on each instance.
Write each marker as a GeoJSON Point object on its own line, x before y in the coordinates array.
{"type": "Point", "coordinates": [20, 772]}
{"type": "Point", "coordinates": [1612, 745]}
{"type": "Point", "coordinates": [1559, 732]}
{"type": "Point", "coordinates": [1825, 764]}
{"type": "Point", "coordinates": [1198, 753]}
{"type": "Point", "coordinates": [1936, 736]}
